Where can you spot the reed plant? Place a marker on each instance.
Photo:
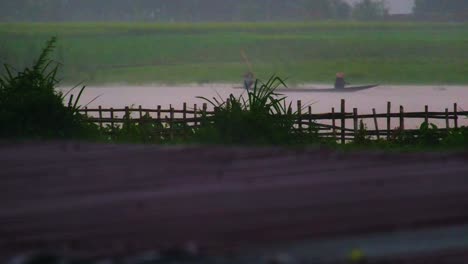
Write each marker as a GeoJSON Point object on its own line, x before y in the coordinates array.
{"type": "Point", "coordinates": [31, 107]}
{"type": "Point", "coordinates": [261, 117]}
{"type": "Point", "coordinates": [146, 131]}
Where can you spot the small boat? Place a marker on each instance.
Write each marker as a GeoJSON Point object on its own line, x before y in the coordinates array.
{"type": "Point", "coordinates": [324, 90]}
{"type": "Point", "coordinates": [329, 90]}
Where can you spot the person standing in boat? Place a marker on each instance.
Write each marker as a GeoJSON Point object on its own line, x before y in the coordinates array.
{"type": "Point", "coordinates": [340, 82]}
{"type": "Point", "coordinates": [249, 80]}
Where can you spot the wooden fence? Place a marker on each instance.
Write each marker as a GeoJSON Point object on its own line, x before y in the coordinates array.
{"type": "Point", "coordinates": [332, 124]}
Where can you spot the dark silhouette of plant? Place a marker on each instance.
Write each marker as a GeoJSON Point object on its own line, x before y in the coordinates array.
{"type": "Point", "coordinates": [361, 137]}
{"type": "Point", "coordinates": [145, 131]}
{"type": "Point", "coordinates": [31, 107]}
{"type": "Point", "coordinates": [263, 117]}
{"type": "Point", "coordinates": [429, 134]}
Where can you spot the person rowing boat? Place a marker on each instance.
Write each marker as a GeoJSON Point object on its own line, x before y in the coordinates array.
{"type": "Point", "coordinates": [249, 77]}
{"type": "Point", "coordinates": [340, 82]}
{"type": "Point", "coordinates": [249, 80]}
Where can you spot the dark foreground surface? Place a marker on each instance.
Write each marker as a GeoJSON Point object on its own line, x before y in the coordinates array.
{"type": "Point", "coordinates": [93, 200]}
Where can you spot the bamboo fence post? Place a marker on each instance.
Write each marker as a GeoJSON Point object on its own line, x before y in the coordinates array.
{"type": "Point", "coordinates": [195, 115]}
{"type": "Point", "coordinates": [158, 122]}
{"type": "Point", "coordinates": [100, 117]}
{"type": "Point", "coordinates": [299, 114]}
{"type": "Point", "coordinates": [310, 118]}
{"type": "Point", "coordinates": [343, 113]}
{"type": "Point", "coordinates": [158, 113]}
{"type": "Point", "coordinates": [140, 112]}
{"type": "Point", "coordinates": [171, 122]}
{"type": "Point", "coordinates": [127, 112]}
{"type": "Point", "coordinates": [447, 124]}
{"type": "Point", "coordinates": [426, 114]}
{"type": "Point", "coordinates": [86, 111]}
{"type": "Point", "coordinates": [402, 118]}
{"type": "Point", "coordinates": [205, 107]}
{"type": "Point", "coordinates": [376, 124]}
{"type": "Point", "coordinates": [112, 120]}
{"type": "Point", "coordinates": [333, 122]}
{"type": "Point", "coordinates": [355, 121]}
{"type": "Point", "coordinates": [184, 118]}
{"type": "Point", "coordinates": [127, 117]}
{"type": "Point", "coordinates": [389, 109]}
{"type": "Point", "coordinates": [455, 115]}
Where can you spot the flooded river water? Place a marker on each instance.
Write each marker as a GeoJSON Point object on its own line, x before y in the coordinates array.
{"type": "Point", "coordinates": [412, 98]}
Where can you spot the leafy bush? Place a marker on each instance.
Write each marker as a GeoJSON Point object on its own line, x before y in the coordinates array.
{"type": "Point", "coordinates": [145, 131]}
{"type": "Point", "coordinates": [261, 118]}
{"type": "Point", "coordinates": [30, 107]}
{"type": "Point", "coordinates": [456, 138]}
{"type": "Point", "coordinates": [361, 137]}
{"type": "Point", "coordinates": [429, 134]}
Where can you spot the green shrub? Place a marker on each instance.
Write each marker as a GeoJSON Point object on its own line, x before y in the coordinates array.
{"type": "Point", "coordinates": [262, 118]}
{"type": "Point", "coordinates": [429, 135]}
{"type": "Point", "coordinates": [30, 107]}
{"type": "Point", "coordinates": [456, 138]}
{"type": "Point", "coordinates": [145, 131]}
{"type": "Point", "coordinates": [361, 137]}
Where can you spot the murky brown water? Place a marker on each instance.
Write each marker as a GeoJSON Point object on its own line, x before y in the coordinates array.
{"type": "Point", "coordinates": [413, 98]}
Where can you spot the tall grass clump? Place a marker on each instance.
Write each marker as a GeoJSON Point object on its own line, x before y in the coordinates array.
{"type": "Point", "coordinates": [427, 137]}
{"type": "Point", "coordinates": [30, 107]}
{"type": "Point", "coordinates": [146, 131]}
{"type": "Point", "coordinates": [261, 118]}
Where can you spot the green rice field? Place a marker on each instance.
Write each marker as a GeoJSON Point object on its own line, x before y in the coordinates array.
{"type": "Point", "coordinates": [138, 53]}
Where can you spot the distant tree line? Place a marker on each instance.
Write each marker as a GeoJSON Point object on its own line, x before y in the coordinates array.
{"type": "Point", "coordinates": [217, 10]}
{"type": "Point", "coordinates": [370, 10]}
{"type": "Point", "coordinates": [187, 10]}
{"type": "Point", "coordinates": [441, 9]}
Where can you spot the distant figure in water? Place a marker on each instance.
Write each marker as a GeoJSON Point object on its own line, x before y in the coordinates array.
{"type": "Point", "coordinates": [340, 81]}
{"type": "Point", "coordinates": [248, 80]}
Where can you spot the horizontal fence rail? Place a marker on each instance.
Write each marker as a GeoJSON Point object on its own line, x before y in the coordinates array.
{"type": "Point", "coordinates": [327, 125]}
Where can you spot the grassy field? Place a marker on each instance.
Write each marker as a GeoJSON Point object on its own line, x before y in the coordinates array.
{"type": "Point", "coordinates": [302, 52]}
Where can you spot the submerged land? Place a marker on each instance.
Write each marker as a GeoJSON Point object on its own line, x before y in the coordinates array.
{"type": "Point", "coordinates": [137, 53]}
